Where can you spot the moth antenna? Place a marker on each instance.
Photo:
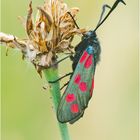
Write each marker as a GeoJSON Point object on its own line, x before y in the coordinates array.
{"type": "Point", "coordinates": [73, 20]}
{"type": "Point", "coordinates": [103, 11]}
{"type": "Point", "coordinates": [64, 85]}
{"type": "Point", "coordinates": [111, 10]}
{"type": "Point", "coordinates": [68, 56]}
{"type": "Point", "coordinates": [51, 82]}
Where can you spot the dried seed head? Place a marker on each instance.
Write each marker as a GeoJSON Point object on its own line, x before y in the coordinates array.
{"type": "Point", "coordinates": [50, 33]}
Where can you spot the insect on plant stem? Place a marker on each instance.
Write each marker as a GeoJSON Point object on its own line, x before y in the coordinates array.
{"type": "Point", "coordinates": [81, 84]}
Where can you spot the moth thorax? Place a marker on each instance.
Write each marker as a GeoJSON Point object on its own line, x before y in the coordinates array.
{"type": "Point", "coordinates": [89, 35]}
{"type": "Point", "coordinates": [90, 49]}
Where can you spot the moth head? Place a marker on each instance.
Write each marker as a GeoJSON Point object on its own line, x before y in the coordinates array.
{"type": "Point", "coordinates": [88, 35]}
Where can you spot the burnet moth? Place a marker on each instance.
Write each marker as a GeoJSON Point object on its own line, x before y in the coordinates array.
{"type": "Point", "coordinates": [80, 87]}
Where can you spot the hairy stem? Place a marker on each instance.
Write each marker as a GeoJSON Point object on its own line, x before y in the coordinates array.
{"type": "Point", "coordinates": [51, 74]}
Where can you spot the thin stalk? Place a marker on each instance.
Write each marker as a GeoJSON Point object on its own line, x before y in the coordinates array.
{"type": "Point", "coordinates": [51, 74]}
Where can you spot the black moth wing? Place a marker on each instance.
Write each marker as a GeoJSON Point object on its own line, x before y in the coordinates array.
{"type": "Point", "coordinates": [78, 93]}
{"type": "Point", "coordinates": [79, 49]}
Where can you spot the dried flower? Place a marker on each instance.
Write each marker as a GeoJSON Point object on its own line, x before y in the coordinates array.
{"type": "Point", "coordinates": [52, 32]}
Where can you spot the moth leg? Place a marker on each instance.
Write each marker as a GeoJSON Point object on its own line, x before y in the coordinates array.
{"type": "Point", "coordinates": [71, 57]}
{"type": "Point", "coordinates": [64, 85]}
{"type": "Point", "coordinates": [103, 11]}
{"type": "Point", "coordinates": [60, 61]}
{"type": "Point", "coordinates": [61, 78]}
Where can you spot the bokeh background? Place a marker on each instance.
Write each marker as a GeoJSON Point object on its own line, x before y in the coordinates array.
{"type": "Point", "coordinates": [27, 111]}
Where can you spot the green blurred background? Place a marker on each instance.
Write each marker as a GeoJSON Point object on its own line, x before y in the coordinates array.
{"type": "Point", "coordinates": [27, 112]}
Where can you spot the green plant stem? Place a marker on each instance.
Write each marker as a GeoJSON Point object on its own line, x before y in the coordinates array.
{"type": "Point", "coordinates": [51, 74]}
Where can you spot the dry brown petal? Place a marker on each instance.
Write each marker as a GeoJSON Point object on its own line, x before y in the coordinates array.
{"type": "Point", "coordinates": [50, 34]}
{"type": "Point", "coordinates": [74, 11]}
{"type": "Point", "coordinates": [11, 41]}
{"type": "Point", "coordinates": [73, 32]}
{"type": "Point", "coordinates": [22, 21]}
{"type": "Point", "coordinates": [46, 18]}
{"type": "Point", "coordinates": [63, 8]}
{"type": "Point", "coordinates": [63, 45]}
{"type": "Point", "coordinates": [47, 7]}
{"type": "Point", "coordinates": [49, 59]}
{"type": "Point", "coordinates": [29, 22]}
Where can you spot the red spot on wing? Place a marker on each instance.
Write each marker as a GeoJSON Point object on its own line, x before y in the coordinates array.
{"type": "Point", "coordinates": [92, 87]}
{"type": "Point", "coordinates": [77, 79]}
{"type": "Point", "coordinates": [88, 62]}
{"type": "Point", "coordinates": [70, 98]}
{"type": "Point", "coordinates": [74, 108]}
{"type": "Point", "coordinates": [83, 57]}
{"type": "Point", "coordinates": [83, 86]}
